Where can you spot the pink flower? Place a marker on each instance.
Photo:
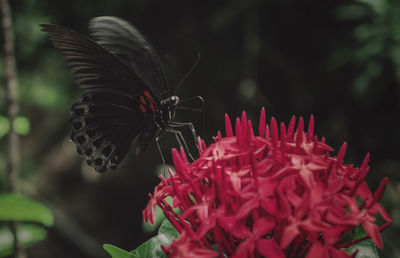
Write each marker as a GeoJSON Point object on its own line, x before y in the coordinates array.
{"type": "Point", "coordinates": [278, 194]}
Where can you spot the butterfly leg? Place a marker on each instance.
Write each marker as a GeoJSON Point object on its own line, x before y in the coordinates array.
{"type": "Point", "coordinates": [161, 154]}
{"type": "Point", "coordinates": [180, 139]}
{"type": "Point", "coordinates": [202, 110]}
{"type": "Point", "coordinates": [188, 124]}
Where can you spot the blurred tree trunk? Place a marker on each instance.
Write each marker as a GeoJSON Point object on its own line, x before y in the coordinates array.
{"type": "Point", "coordinates": [12, 101]}
{"type": "Point", "coordinates": [12, 169]}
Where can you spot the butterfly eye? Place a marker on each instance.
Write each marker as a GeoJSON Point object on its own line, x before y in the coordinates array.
{"type": "Point", "coordinates": [175, 100]}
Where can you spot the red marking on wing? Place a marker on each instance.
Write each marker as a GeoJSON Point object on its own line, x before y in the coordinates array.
{"type": "Point", "coordinates": [150, 100]}
{"type": "Point", "coordinates": [151, 106]}
{"type": "Point", "coordinates": [148, 95]}
{"type": "Point", "coordinates": [144, 110]}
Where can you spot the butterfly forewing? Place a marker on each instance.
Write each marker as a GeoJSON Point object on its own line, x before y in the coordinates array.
{"type": "Point", "coordinates": [116, 104]}
{"type": "Point", "coordinates": [126, 42]}
{"type": "Point", "coordinates": [93, 66]}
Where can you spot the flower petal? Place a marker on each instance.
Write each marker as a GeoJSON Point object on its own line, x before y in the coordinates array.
{"type": "Point", "coordinates": [269, 248]}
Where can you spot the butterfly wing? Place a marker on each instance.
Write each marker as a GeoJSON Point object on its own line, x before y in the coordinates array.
{"type": "Point", "coordinates": [103, 127]}
{"type": "Point", "coordinates": [115, 106]}
{"type": "Point", "coordinates": [126, 42]}
{"type": "Point", "coordinates": [147, 136]}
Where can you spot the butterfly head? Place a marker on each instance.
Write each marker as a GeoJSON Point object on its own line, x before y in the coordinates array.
{"type": "Point", "coordinates": [174, 101]}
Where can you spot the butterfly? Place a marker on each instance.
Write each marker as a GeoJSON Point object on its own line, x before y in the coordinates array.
{"type": "Point", "coordinates": [125, 91]}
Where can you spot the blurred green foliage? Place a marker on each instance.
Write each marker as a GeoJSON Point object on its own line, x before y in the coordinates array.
{"type": "Point", "coordinates": [18, 208]}
{"type": "Point", "coordinates": [375, 40]}
{"type": "Point", "coordinates": [15, 208]}
{"type": "Point", "coordinates": [28, 236]}
{"type": "Point", "coordinates": [4, 126]}
{"type": "Point", "coordinates": [338, 60]}
{"type": "Point", "coordinates": [21, 125]}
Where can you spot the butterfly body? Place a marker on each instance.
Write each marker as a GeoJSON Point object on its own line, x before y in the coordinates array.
{"type": "Point", "coordinates": [165, 113]}
{"type": "Point", "coordinates": [125, 93]}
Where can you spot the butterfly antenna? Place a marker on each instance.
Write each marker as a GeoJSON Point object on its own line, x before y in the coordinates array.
{"type": "Point", "coordinates": [189, 109]}
{"type": "Point", "coordinates": [188, 73]}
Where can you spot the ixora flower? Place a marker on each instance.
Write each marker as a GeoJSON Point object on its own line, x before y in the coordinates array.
{"type": "Point", "coordinates": [278, 194]}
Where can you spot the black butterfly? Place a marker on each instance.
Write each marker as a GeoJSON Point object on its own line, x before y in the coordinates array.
{"type": "Point", "coordinates": [125, 91]}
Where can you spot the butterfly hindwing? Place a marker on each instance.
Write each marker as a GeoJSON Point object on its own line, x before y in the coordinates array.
{"type": "Point", "coordinates": [116, 104]}
{"type": "Point", "coordinates": [147, 136]}
{"type": "Point", "coordinates": [103, 127]}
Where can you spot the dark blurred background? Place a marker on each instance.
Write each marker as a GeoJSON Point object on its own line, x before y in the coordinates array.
{"type": "Point", "coordinates": [338, 60]}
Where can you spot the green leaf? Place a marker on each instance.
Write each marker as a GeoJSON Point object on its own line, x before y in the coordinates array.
{"type": "Point", "coordinates": [152, 247]}
{"type": "Point", "coordinates": [28, 235]}
{"type": "Point", "coordinates": [366, 248]}
{"type": "Point", "coordinates": [20, 208]}
{"type": "Point", "coordinates": [167, 230]}
{"type": "Point", "coordinates": [117, 252]}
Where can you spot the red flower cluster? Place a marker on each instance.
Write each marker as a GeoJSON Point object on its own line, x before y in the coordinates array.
{"type": "Point", "coordinates": [278, 194]}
